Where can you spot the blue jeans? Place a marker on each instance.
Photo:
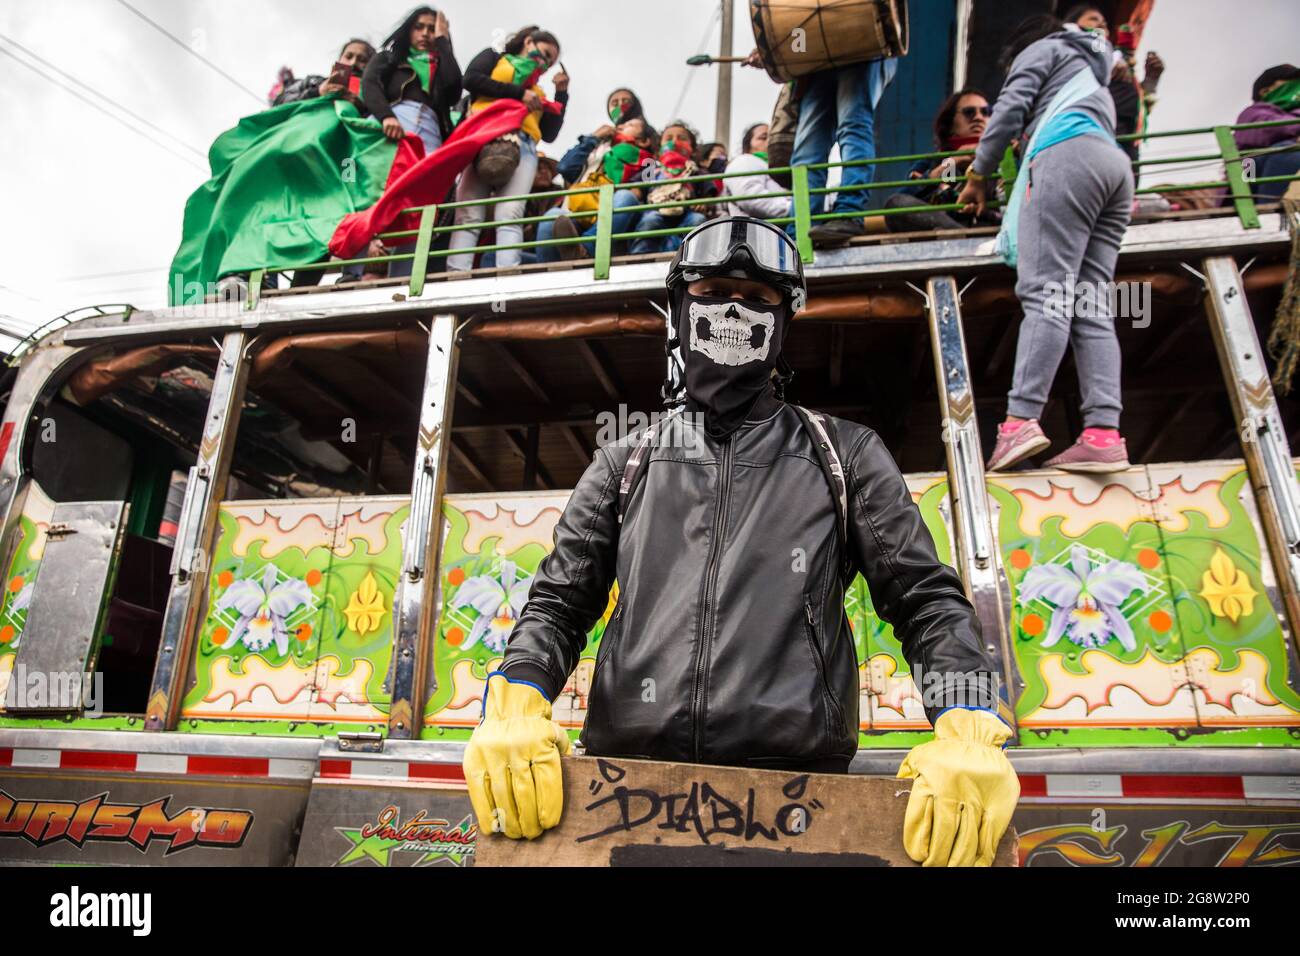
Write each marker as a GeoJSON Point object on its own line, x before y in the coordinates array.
{"type": "Point", "coordinates": [419, 119]}
{"type": "Point", "coordinates": [839, 106]}
{"type": "Point", "coordinates": [621, 222]}
{"type": "Point", "coordinates": [1276, 164]}
{"type": "Point", "coordinates": [470, 188]}
{"type": "Point", "coordinates": [657, 220]}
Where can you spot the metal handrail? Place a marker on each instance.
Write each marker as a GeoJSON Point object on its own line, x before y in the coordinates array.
{"type": "Point", "coordinates": [1237, 182]}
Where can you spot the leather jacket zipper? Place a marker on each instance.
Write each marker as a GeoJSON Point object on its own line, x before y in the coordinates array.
{"type": "Point", "coordinates": [821, 664]}
{"type": "Point", "coordinates": [706, 597]}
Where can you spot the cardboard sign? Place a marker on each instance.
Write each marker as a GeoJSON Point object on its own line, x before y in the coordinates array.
{"type": "Point", "coordinates": [646, 813]}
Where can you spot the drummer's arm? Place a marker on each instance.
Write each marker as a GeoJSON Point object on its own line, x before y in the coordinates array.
{"type": "Point", "coordinates": [1011, 111]}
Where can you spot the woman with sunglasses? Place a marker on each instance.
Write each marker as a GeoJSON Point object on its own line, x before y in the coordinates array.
{"type": "Point", "coordinates": [958, 125]}
{"type": "Point", "coordinates": [489, 77]}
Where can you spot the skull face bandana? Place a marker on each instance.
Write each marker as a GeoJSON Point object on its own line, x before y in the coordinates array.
{"type": "Point", "coordinates": [729, 349]}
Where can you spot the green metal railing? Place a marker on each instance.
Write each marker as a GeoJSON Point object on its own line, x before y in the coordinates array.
{"type": "Point", "coordinates": [1238, 180]}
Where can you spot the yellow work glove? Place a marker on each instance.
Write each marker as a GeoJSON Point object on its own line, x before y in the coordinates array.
{"type": "Point", "coordinates": [965, 791]}
{"type": "Point", "coordinates": [512, 761]}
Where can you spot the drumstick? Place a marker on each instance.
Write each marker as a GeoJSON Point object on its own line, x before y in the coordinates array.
{"type": "Point", "coordinates": [705, 59]}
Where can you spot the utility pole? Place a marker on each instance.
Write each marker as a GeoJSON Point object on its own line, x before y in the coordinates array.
{"type": "Point", "coordinates": [722, 131]}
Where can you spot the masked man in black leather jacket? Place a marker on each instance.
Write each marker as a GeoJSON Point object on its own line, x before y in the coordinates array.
{"type": "Point", "coordinates": [733, 529]}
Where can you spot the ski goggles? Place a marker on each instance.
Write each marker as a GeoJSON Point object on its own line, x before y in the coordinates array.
{"type": "Point", "coordinates": [711, 246]}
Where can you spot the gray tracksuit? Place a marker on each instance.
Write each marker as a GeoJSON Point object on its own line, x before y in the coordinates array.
{"type": "Point", "coordinates": [1073, 218]}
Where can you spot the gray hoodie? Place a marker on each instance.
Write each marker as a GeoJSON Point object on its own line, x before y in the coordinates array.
{"type": "Point", "coordinates": [1040, 72]}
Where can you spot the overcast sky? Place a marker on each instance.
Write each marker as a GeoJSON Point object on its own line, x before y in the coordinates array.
{"type": "Point", "coordinates": [93, 210]}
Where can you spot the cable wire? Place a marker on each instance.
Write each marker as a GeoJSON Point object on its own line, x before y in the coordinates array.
{"type": "Point", "coordinates": [112, 116]}
{"type": "Point", "coordinates": [194, 53]}
{"type": "Point", "coordinates": [202, 154]}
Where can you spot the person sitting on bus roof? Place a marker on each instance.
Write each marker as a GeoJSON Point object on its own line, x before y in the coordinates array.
{"type": "Point", "coordinates": [711, 158]}
{"type": "Point", "coordinates": [958, 125]}
{"type": "Point", "coordinates": [733, 527]}
{"type": "Point", "coordinates": [618, 161]}
{"type": "Point", "coordinates": [622, 106]}
{"type": "Point", "coordinates": [677, 145]}
{"type": "Point", "coordinates": [513, 74]}
{"type": "Point", "coordinates": [743, 189]}
{"type": "Point", "coordinates": [1275, 96]}
{"type": "Point", "coordinates": [1062, 234]}
{"type": "Point", "coordinates": [344, 78]}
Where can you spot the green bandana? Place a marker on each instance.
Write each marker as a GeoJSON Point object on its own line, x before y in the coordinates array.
{"type": "Point", "coordinates": [522, 65]}
{"type": "Point", "coordinates": [1286, 96]}
{"type": "Point", "coordinates": [761, 154]}
{"type": "Point", "coordinates": [617, 159]}
{"type": "Point", "coordinates": [419, 61]}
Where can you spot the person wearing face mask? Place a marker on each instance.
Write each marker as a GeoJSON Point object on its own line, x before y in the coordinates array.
{"type": "Point", "coordinates": [622, 106]}
{"type": "Point", "coordinates": [677, 146]}
{"type": "Point", "coordinates": [958, 126]}
{"type": "Point", "coordinates": [1132, 99]}
{"type": "Point", "coordinates": [752, 657]}
{"type": "Point", "coordinates": [619, 160]}
{"type": "Point", "coordinates": [753, 159]}
{"type": "Point", "coordinates": [1275, 96]}
{"type": "Point", "coordinates": [489, 77]}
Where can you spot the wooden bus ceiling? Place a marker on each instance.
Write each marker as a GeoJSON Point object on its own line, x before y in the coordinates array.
{"type": "Point", "coordinates": [860, 351]}
{"type": "Point", "coordinates": [863, 356]}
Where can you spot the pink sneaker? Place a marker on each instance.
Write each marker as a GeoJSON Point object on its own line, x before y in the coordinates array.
{"type": "Point", "coordinates": [1097, 451]}
{"type": "Point", "coordinates": [1016, 444]}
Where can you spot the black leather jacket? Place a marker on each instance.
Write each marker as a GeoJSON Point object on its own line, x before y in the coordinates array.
{"type": "Point", "coordinates": [388, 80]}
{"type": "Point", "coordinates": [729, 643]}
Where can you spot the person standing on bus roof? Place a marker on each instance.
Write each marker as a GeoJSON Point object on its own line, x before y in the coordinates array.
{"type": "Point", "coordinates": [413, 82]}
{"type": "Point", "coordinates": [1061, 229]}
{"type": "Point", "coordinates": [489, 77]}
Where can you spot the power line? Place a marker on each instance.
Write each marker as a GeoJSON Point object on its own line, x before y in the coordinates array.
{"type": "Point", "coordinates": [19, 292]}
{"type": "Point", "coordinates": [112, 116]}
{"type": "Point", "coordinates": [90, 89]}
{"type": "Point", "coordinates": [194, 53]}
{"type": "Point", "coordinates": [690, 74]}
{"type": "Point", "coordinates": [109, 275]}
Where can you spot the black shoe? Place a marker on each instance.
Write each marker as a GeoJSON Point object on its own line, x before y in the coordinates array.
{"type": "Point", "coordinates": [565, 229]}
{"type": "Point", "coordinates": [835, 232]}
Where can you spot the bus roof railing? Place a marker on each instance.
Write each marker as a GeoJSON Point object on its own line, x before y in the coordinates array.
{"type": "Point", "coordinates": [1238, 180]}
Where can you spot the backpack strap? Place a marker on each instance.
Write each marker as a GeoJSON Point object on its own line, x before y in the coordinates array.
{"type": "Point", "coordinates": [634, 470]}
{"type": "Point", "coordinates": [829, 459]}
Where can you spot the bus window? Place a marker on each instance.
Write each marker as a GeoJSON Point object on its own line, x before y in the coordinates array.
{"type": "Point", "coordinates": [113, 440]}
{"type": "Point", "coordinates": [299, 618]}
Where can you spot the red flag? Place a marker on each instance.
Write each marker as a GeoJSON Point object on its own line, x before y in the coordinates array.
{"type": "Point", "coordinates": [428, 180]}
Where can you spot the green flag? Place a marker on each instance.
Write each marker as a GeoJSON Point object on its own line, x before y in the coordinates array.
{"type": "Point", "coordinates": [281, 181]}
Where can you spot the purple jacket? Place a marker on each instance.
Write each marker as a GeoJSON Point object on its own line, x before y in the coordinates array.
{"type": "Point", "coordinates": [1262, 112]}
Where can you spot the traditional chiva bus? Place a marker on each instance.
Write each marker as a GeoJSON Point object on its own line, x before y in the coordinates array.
{"type": "Point", "coordinates": [261, 549]}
